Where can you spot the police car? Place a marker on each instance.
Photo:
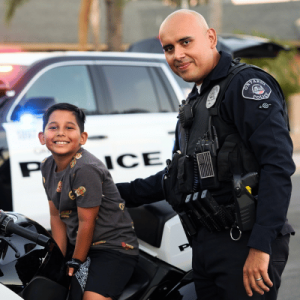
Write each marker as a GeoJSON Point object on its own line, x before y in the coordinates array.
{"type": "Point", "coordinates": [130, 101]}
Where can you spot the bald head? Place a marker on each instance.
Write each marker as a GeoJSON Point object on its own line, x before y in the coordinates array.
{"type": "Point", "coordinates": [185, 14]}
{"type": "Point", "coordinates": [189, 45]}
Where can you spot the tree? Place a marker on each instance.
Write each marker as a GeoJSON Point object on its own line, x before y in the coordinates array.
{"type": "Point", "coordinates": [215, 15]}
{"type": "Point", "coordinates": [114, 23]}
{"type": "Point", "coordinates": [283, 68]}
{"type": "Point", "coordinates": [89, 12]}
{"type": "Point", "coordinates": [11, 6]}
{"type": "Point", "coordinates": [83, 24]}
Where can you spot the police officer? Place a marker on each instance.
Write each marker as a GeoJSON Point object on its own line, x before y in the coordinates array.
{"type": "Point", "coordinates": [253, 107]}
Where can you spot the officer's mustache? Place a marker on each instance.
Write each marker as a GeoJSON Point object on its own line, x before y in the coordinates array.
{"type": "Point", "coordinates": [179, 63]}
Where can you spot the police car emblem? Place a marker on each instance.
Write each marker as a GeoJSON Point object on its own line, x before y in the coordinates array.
{"type": "Point", "coordinates": [256, 89]}
{"type": "Point", "coordinates": [212, 96]}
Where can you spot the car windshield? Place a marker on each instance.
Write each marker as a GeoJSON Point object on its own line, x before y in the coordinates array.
{"type": "Point", "coordinates": [10, 74]}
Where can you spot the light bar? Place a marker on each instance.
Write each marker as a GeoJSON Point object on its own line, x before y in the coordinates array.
{"type": "Point", "coordinates": [6, 69]}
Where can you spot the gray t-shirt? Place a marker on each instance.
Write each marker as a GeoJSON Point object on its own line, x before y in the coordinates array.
{"type": "Point", "coordinates": [86, 182]}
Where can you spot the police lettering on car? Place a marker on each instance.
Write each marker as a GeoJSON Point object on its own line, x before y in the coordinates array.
{"type": "Point", "coordinates": [119, 120]}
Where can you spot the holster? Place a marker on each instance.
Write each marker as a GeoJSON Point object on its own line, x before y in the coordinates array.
{"type": "Point", "coordinates": [245, 202]}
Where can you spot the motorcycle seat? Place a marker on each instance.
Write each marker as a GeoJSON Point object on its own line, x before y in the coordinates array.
{"type": "Point", "coordinates": [136, 285]}
{"type": "Point", "coordinates": [36, 288]}
{"type": "Point", "coordinates": [149, 221]}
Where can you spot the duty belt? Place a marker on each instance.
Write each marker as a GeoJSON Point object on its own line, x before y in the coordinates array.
{"type": "Point", "coordinates": [201, 210]}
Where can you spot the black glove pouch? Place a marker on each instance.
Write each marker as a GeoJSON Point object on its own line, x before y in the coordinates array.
{"type": "Point", "coordinates": [178, 180]}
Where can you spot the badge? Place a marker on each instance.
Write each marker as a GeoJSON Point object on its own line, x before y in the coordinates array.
{"type": "Point", "coordinates": [71, 195]}
{"type": "Point", "coordinates": [78, 155]}
{"type": "Point", "coordinates": [212, 96]}
{"type": "Point", "coordinates": [73, 163]}
{"type": "Point", "coordinates": [127, 246]}
{"type": "Point", "coordinates": [65, 214]}
{"type": "Point", "coordinates": [80, 191]}
{"type": "Point", "coordinates": [59, 187]}
{"type": "Point", "coordinates": [99, 243]}
{"type": "Point", "coordinates": [256, 89]}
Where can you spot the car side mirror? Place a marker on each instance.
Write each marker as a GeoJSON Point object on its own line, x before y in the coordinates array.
{"type": "Point", "coordinates": [34, 106]}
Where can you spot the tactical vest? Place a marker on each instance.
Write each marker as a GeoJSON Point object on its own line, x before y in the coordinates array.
{"type": "Point", "coordinates": [232, 156]}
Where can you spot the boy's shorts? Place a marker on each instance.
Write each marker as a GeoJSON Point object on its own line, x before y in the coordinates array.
{"type": "Point", "coordinates": [109, 272]}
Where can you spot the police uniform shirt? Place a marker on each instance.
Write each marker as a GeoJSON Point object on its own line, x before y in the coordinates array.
{"type": "Point", "coordinates": [254, 105]}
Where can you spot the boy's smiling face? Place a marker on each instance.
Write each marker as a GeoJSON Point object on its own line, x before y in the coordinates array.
{"type": "Point", "coordinates": [62, 135]}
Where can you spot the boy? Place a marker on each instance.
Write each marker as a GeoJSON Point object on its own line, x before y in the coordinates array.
{"type": "Point", "coordinates": [86, 210]}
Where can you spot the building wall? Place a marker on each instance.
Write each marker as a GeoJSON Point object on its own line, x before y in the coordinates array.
{"type": "Point", "coordinates": [56, 21]}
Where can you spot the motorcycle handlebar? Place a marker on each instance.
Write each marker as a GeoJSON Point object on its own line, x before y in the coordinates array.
{"type": "Point", "coordinates": [7, 225]}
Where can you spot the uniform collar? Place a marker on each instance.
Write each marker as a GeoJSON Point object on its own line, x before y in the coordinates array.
{"type": "Point", "coordinates": [220, 71]}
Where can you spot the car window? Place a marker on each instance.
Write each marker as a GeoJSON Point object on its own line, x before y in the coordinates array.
{"type": "Point", "coordinates": [69, 84]}
{"type": "Point", "coordinates": [132, 89]}
{"type": "Point", "coordinates": [164, 95]}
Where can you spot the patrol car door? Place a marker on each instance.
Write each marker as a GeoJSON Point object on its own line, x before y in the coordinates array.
{"type": "Point", "coordinates": [135, 134]}
{"type": "Point", "coordinates": [130, 122]}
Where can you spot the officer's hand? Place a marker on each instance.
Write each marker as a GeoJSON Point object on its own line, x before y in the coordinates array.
{"type": "Point", "coordinates": [256, 266]}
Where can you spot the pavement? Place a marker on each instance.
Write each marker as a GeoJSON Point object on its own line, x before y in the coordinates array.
{"type": "Point", "coordinates": [296, 157]}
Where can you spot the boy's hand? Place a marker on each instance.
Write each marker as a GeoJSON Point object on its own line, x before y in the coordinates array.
{"type": "Point", "coordinates": [73, 266]}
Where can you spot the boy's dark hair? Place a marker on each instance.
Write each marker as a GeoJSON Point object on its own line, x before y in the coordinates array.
{"type": "Point", "coordinates": [77, 112]}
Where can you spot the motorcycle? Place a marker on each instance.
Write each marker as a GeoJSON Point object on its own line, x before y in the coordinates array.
{"type": "Point", "coordinates": [32, 266]}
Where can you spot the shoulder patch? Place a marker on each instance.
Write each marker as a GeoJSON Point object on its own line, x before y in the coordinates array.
{"type": "Point", "coordinates": [256, 89]}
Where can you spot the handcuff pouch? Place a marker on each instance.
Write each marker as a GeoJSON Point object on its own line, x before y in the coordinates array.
{"type": "Point", "coordinates": [178, 180]}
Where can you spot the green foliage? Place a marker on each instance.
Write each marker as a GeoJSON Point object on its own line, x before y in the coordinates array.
{"type": "Point", "coordinates": [11, 6]}
{"type": "Point", "coordinates": [283, 68]}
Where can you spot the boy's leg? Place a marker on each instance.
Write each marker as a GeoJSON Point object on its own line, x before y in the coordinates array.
{"type": "Point", "coordinates": [105, 277]}
{"type": "Point", "coordinates": [94, 296]}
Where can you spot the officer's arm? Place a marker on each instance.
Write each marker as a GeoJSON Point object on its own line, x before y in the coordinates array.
{"type": "Point", "coordinates": [142, 191]}
{"type": "Point", "coordinates": [262, 126]}
{"type": "Point", "coordinates": [145, 191]}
